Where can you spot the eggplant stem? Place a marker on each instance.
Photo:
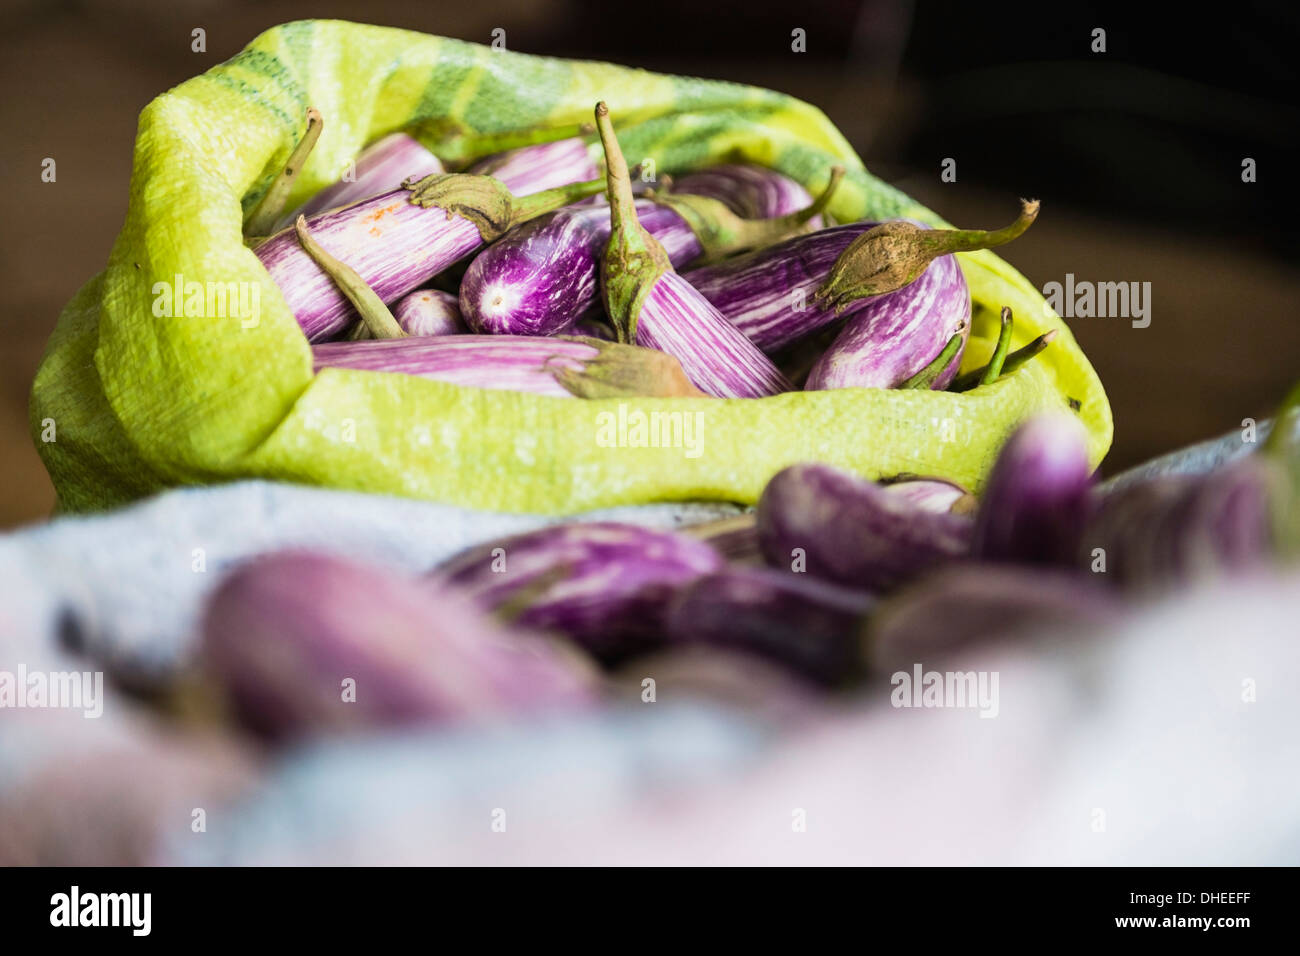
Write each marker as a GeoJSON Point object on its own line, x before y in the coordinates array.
{"type": "Point", "coordinates": [268, 211]}
{"type": "Point", "coordinates": [894, 254]}
{"type": "Point", "coordinates": [928, 375]}
{"type": "Point", "coordinates": [1000, 350]}
{"type": "Point", "coordinates": [374, 313]}
{"type": "Point", "coordinates": [633, 260]}
{"type": "Point", "coordinates": [964, 383]}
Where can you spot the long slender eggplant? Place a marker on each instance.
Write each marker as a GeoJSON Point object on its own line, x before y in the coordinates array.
{"type": "Point", "coordinates": [893, 336]}
{"type": "Point", "coordinates": [754, 192]}
{"type": "Point", "coordinates": [652, 305]}
{"type": "Point", "coordinates": [381, 167]}
{"type": "Point", "coordinates": [959, 607]}
{"type": "Point", "coordinates": [308, 643]}
{"type": "Point", "coordinates": [807, 625]}
{"type": "Point", "coordinates": [544, 277]}
{"type": "Point", "coordinates": [1172, 529]}
{"type": "Point", "coordinates": [399, 240]}
{"type": "Point", "coordinates": [833, 525]}
{"type": "Point", "coordinates": [430, 312]}
{"type": "Point", "coordinates": [542, 166]}
{"type": "Point", "coordinates": [1037, 498]}
{"type": "Point", "coordinates": [775, 294]}
{"type": "Point", "coordinates": [605, 585]}
{"type": "Point", "coordinates": [560, 367]}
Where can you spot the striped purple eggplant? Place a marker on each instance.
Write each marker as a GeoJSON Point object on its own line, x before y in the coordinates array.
{"type": "Point", "coordinates": [807, 625]}
{"type": "Point", "coordinates": [398, 241]}
{"type": "Point", "coordinates": [560, 367]}
{"type": "Point", "coordinates": [651, 305]}
{"type": "Point", "coordinates": [309, 643]}
{"type": "Point", "coordinates": [960, 607]}
{"type": "Point", "coordinates": [770, 294]}
{"type": "Point", "coordinates": [754, 192]}
{"type": "Point", "coordinates": [933, 494]}
{"type": "Point", "coordinates": [545, 275]}
{"type": "Point", "coordinates": [1173, 529]}
{"type": "Point", "coordinates": [834, 525]}
{"type": "Point", "coordinates": [894, 336]}
{"type": "Point", "coordinates": [380, 168]}
{"type": "Point", "coordinates": [1038, 495]}
{"type": "Point", "coordinates": [715, 356]}
{"type": "Point", "coordinates": [604, 585]}
{"type": "Point", "coordinates": [429, 312]}
{"type": "Point", "coordinates": [532, 169]}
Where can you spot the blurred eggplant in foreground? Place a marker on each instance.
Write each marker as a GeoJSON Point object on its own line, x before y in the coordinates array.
{"type": "Point", "coordinates": [836, 526]}
{"type": "Point", "coordinates": [961, 607]}
{"type": "Point", "coordinates": [1175, 529]}
{"type": "Point", "coordinates": [429, 312]}
{"type": "Point", "coordinates": [308, 643]}
{"type": "Point", "coordinates": [604, 585]}
{"type": "Point", "coordinates": [1037, 498]}
{"type": "Point", "coordinates": [933, 494]}
{"type": "Point", "coordinates": [807, 625]}
{"type": "Point", "coordinates": [559, 367]}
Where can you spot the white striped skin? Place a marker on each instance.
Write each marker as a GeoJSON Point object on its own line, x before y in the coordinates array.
{"type": "Point", "coordinates": [429, 312]}
{"type": "Point", "coordinates": [713, 353]}
{"type": "Point", "coordinates": [754, 192]}
{"type": "Point", "coordinates": [512, 363]}
{"type": "Point", "coordinates": [396, 246]}
{"type": "Point", "coordinates": [393, 245]}
{"type": "Point", "coordinates": [894, 336]}
{"type": "Point", "coordinates": [531, 169]}
{"type": "Point", "coordinates": [380, 168]}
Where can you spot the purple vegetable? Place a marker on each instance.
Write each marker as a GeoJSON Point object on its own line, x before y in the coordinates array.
{"type": "Point", "coordinates": [716, 357]}
{"type": "Point", "coordinates": [1037, 498]}
{"type": "Point", "coordinates": [807, 625]}
{"type": "Point", "coordinates": [835, 526]}
{"type": "Point", "coordinates": [560, 367]}
{"type": "Point", "coordinates": [893, 336]}
{"type": "Point", "coordinates": [1173, 529]}
{"type": "Point", "coordinates": [381, 167]}
{"type": "Point", "coordinates": [962, 606]}
{"type": "Point", "coordinates": [397, 241]}
{"type": "Point", "coordinates": [532, 169]}
{"type": "Point", "coordinates": [545, 276]}
{"type": "Point", "coordinates": [770, 294]}
{"type": "Point", "coordinates": [652, 305]}
{"type": "Point", "coordinates": [311, 643]}
{"type": "Point", "coordinates": [429, 312]}
{"type": "Point", "coordinates": [754, 192]}
{"type": "Point", "coordinates": [932, 494]}
{"type": "Point", "coordinates": [605, 585]}
{"type": "Point", "coordinates": [542, 278]}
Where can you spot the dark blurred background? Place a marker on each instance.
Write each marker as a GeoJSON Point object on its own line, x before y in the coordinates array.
{"type": "Point", "coordinates": [1136, 152]}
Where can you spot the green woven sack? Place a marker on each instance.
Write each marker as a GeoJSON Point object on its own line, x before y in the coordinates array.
{"type": "Point", "coordinates": [141, 402]}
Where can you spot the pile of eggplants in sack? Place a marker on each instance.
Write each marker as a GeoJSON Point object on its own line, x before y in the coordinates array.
{"type": "Point", "coordinates": [532, 271]}
{"type": "Point", "coordinates": [830, 580]}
